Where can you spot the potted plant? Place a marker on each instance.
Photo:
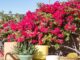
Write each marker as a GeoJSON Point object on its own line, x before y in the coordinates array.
{"type": "Point", "coordinates": [25, 51]}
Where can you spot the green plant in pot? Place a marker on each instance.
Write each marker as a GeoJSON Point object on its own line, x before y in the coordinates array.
{"type": "Point", "coordinates": [25, 51]}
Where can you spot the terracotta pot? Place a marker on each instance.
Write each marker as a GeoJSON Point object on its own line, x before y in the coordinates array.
{"type": "Point", "coordinates": [41, 53]}
{"type": "Point", "coordinates": [9, 47]}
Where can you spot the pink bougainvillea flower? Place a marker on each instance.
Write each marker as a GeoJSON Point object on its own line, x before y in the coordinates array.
{"type": "Point", "coordinates": [69, 27]}
{"type": "Point", "coordinates": [34, 41]}
{"type": "Point", "coordinates": [51, 24]}
{"type": "Point", "coordinates": [58, 14]}
{"type": "Point", "coordinates": [36, 28]}
{"type": "Point", "coordinates": [73, 28]}
{"type": "Point", "coordinates": [6, 29]}
{"type": "Point", "coordinates": [5, 25]}
{"type": "Point", "coordinates": [42, 24]}
{"type": "Point", "coordinates": [44, 30]}
{"type": "Point", "coordinates": [31, 15]}
{"type": "Point", "coordinates": [40, 42]}
{"type": "Point", "coordinates": [24, 33]}
{"type": "Point", "coordinates": [56, 31]}
{"type": "Point", "coordinates": [32, 34]}
{"type": "Point", "coordinates": [58, 22]}
{"type": "Point", "coordinates": [0, 30]}
{"type": "Point", "coordinates": [60, 35]}
{"type": "Point", "coordinates": [52, 39]}
{"type": "Point", "coordinates": [20, 39]}
{"type": "Point", "coordinates": [13, 26]}
{"type": "Point", "coordinates": [60, 41]}
{"type": "Point", "coordinates": [11, 37]}
{"type": "Point", "coordinates": [70, 18]}
{"type": "Point", "coordinates": [44, 19]}
{"type": "Point", "coordinates": [40, 36]}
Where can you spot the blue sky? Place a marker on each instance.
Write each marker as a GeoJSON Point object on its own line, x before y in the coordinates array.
{"type": "Point", "coordinates": [21, 6]}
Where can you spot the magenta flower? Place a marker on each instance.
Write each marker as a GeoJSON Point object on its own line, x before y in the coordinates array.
{"type": "Point", "coordinates": [44, 30]}
{"type": "Point", "coordinates": [70, 18]}
{"type": "Point", "coordinates": [24, 33]}
{"type": "Point", "coordinates": [11, 37]}
{"type": "Point", "coordinates": [34, 41]}
{"type": "Point", "coordinates": [5, 25]}
{"type": "Point", "coordinates": [60, 41]}
{"type": "Point", "coordinates": [13, 26]}
{"type": "Point", "coordinates": [73, 28]}
{"type": "Point", "coordinates": [60, 35]}
{"type": "Point", "coordinates": [69, 27]}
{"type": "Point", "coordinates": [56, 31]}
{"type": "Point", "coordinates": [32, 34]}
{"type": "Point", "coordinates": [58, 14]}
{"type": "Point", "coordinates": [40, 42]}
{"type": "Point", "coordinates": [40, 36]}
{"type": "Point", "coordinates": [20, 39]}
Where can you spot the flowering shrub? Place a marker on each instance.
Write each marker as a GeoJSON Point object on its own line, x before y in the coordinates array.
{"type": "Point", "coordinates": [4, 30]}
{"type": "Point", "coordinates": [49, 24]}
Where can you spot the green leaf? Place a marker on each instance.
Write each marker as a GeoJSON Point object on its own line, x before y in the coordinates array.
{"type": "Point", "coordinates": [67, 38]}
{"type": "Point", "coordinates": [79, 28]}
{"type": "Point", "coordinates": [57, 46]}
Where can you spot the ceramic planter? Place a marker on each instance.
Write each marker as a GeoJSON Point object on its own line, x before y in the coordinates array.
{"type": "Point", "coordinates": [52, 57]}
{"type": "Point", "coordinates": [42, 52]}
{"type": "Point", "coordinates": [25, 57]}
{"type": "Point", "coordinates": [9, 47]}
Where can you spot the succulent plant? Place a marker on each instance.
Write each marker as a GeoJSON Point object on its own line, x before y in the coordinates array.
{"type": "Point", "coordinates": [22, 49]}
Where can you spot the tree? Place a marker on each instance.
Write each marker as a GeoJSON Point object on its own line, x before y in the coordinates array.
{"type": "Point", "coordinates": [10, 13]}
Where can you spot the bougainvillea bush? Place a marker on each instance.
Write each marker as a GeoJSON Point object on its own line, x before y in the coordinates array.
{"type": "Point", "coordinates": [55, 24]}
